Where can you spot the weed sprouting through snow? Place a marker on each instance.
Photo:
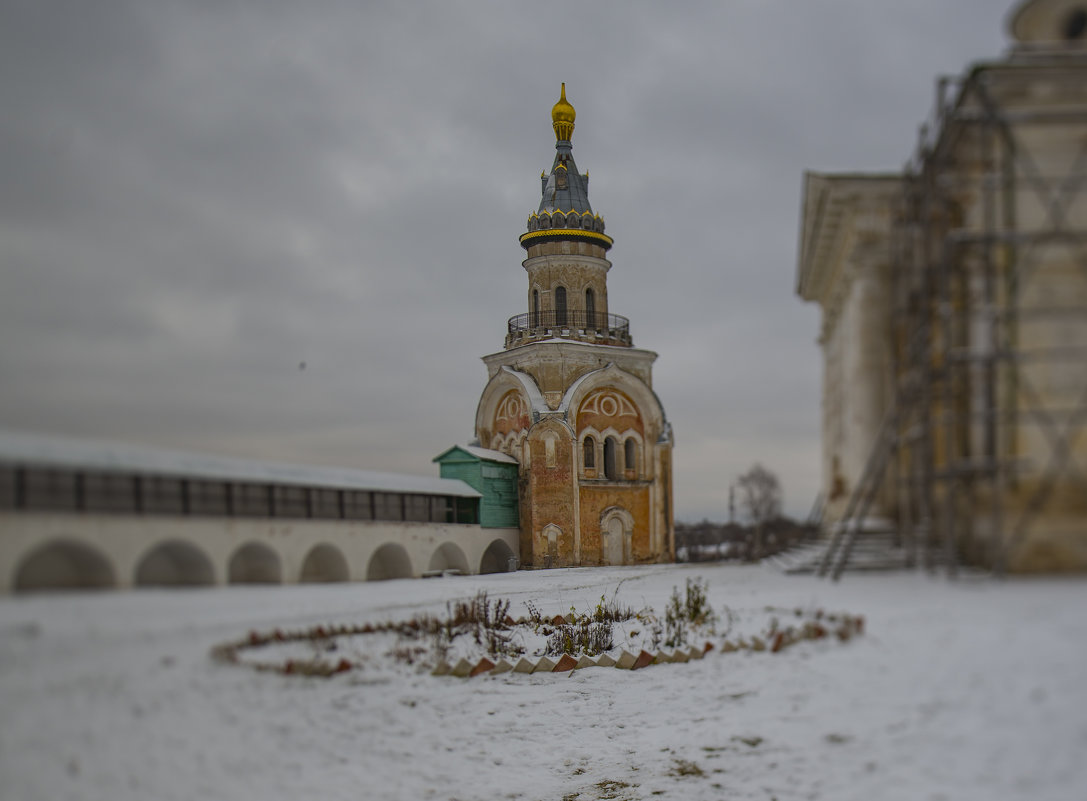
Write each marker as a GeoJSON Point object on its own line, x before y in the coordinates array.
{"type": "Point", "coordinates": [534, 615]}
{"type": "Point", "coordinates": [582, 636]}
{"type": "Point", "coordinates": [591, 634]}
{"type": "Point", "coordinates": [683, 613]}
{"type": "Point", "coordinates": [485, 621]}
{"type": "Point", "coordinates": [656, 634]}
{"type": "Point", "coordinates": [685, 767]}
{"type": "Point", "coordinates": [611, 611]}
{"type": "Point", "coordinates": [697, 606]}
{"type": "Point", "coordinates": [440, 643]}
{"type": "Point", "coordinates": [675, 622]}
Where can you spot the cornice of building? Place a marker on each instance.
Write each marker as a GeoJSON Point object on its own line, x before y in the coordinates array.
{"type": "Point", "coordinates": [836, 207]}
{"type": "Point", "coordinates": [555, 234]}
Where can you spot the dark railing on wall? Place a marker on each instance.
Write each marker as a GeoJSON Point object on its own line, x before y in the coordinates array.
{"type": "Point", "coordinates": [607, 326]}
{"type": "Point", "coordinates": [35, 489]}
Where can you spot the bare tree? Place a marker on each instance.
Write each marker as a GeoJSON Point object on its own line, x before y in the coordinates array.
{"type": "Point", "coordinates": [760, 498]}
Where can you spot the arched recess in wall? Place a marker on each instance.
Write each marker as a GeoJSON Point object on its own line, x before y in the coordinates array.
{"type": "Point", "coordinates": [64, 565]}
{"type": "Point", "coordinates": [494, 396]}
{"type": "Point", "coordinates": [550, 440]}
{"type": "Point", "coordinates": [560, 306]}
{"type": "Point", "coordinates": [324, 563]}
{"type": "Point", "coordinates": [496, 559]}
{"type": "Point", "coordinates": [174, 563]}
{"type": "Point", "coordinates": [390, 561]}
{"type": "Point", "coordinates": [552, 535]}
{"type": "Point", "coordinates": [644, 405]}
{"type": "Point", "coordinates": [449, 557]}
{"type": "Point", "coordinates": [590, 308]}
{"type": "Point", "coordinates": [254, 563]}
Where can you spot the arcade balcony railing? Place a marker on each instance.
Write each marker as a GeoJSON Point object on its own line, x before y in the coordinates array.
{"type": "Point", "coordinates": [603, 329]}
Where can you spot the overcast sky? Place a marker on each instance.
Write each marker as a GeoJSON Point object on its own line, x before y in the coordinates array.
{"type": "Point", "coordinates": [198, 197]}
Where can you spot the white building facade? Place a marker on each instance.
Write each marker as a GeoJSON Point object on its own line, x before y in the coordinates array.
{"type": "Point", "coordinates": [954, 300]}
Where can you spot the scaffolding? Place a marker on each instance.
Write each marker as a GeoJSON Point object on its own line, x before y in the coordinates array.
{"type": "Point", "coordinates": [980, 448]}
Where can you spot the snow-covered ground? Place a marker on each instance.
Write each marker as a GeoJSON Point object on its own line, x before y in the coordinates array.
{"type": "Point", "coordinates": [966, 690]}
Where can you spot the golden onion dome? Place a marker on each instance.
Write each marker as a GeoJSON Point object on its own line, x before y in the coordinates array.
{"type": "Point", "coordinates": [562, 117]}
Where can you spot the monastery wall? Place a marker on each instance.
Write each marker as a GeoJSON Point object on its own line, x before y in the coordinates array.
{"type": "Point", "coordinates": [132, 550]}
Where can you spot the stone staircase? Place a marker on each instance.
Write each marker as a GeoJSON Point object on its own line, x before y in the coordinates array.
{"type": "Point", "coordinates": [872, 550]}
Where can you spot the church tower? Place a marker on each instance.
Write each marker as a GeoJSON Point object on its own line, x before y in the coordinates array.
{"type": "Point", "coordinates": [572, 399]}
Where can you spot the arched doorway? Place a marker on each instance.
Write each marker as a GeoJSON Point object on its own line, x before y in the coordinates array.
{"type": "Point", "coordinates": [324, 563]}
{"type": "Point", "coordinates": [497, 558]}
{"type": "Point", "coordinates": [449, 557]}
{"type": "Point", "coordinates": [616, 536]}
{"type": "Point", "coordinates": [254, 563]}
{"type": "Point", "coordinates": [64, 565]}
{"type": "Point", "coordinates": [174, 563]}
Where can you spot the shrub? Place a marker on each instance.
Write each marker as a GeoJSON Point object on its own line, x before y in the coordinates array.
{"type": "Point", "coordinates": [691, 610]}
{"type": "Point", "coordinates": [675, 622]}
{"type": "Point", "coordinates": [585, 636]}
{"type": "Point", "coordinates": [484, 621]}
{"type": "Point", "coordinates": [696, 608]}
{"type": "Point", "coordinates": [611, 611]}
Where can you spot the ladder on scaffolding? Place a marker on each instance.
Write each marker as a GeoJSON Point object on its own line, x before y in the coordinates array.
{"type": "Point", "coordinates": [844, 536]}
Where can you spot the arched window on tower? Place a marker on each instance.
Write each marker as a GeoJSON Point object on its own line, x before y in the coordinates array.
{"type": "Point", "coordinates": [560, 305]}
{"type": "Point", "coordinates": [610, 468]}
{"type": "Point", "coordinates": [630, 455]}
{"type": "Point", "coordinates": [535, 321]}
{"type": "Point", "coordinates": [590, 309]}
{"type": "Point", "coordinates": [589, 447]}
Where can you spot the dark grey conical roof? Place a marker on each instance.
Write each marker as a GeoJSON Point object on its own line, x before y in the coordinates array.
{"type": "Point", "coordinates": [564, 212]}
{"type": "Point", "coordinates": [564, 189]}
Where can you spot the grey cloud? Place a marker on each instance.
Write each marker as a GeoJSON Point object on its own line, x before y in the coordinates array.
{"type": "Point", "coordinates": [196, 197]}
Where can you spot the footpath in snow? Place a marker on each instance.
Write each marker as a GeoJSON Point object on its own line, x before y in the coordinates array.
{"type": "Point", "coordinates": [957, 690]}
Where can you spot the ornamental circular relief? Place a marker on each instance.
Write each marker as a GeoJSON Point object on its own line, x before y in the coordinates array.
{"type": "Point", "coordinates": [609, 404]}
{"type": "Point", "coordinates": [511, 414]}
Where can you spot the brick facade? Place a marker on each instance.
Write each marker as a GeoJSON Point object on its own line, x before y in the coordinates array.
{"type": "Point", "coordinates": [571, 399]}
